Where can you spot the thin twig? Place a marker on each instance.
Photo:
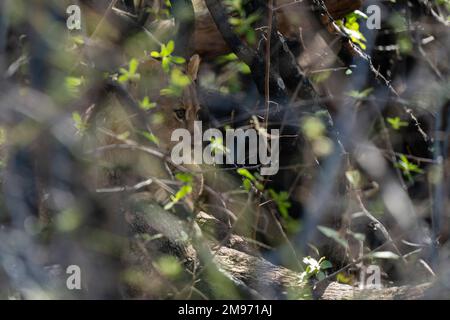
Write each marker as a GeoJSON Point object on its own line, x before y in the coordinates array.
{"type": "Point", "coordinates": [268, 56]}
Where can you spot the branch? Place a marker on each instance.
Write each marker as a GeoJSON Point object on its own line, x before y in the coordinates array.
{"type": "Point", "coordinates": [348, 49]}
{"type": "Point", "coordinates": [219, 15]}
{"type": "Point", "coordinates": [272, 280]}
{"type": "Point", "coordinates": [255, 60]}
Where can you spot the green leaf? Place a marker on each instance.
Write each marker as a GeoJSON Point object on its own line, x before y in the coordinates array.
{"type": "Point", "coordinates": [170, 47]}
{"type": "Point", "coordinates": [74, 81]}
{"type": "Point", "coordinates": [360, 94]}
{"type": "Point", "coordinates": [354, 178]}
{"type": "Point", "coordinates": [169, 266]}
{"type": "Point", "coordinates": [184, 177]}
{"type": "Point", "coordinates": [73, 84]}
{"type": "Point", "coordinates": [151, 137]}
{"type": "Point", "coordinates": [76, 117]}
{"type": "Point", "coordinates": [351, 27]}
{"type": "Point", "coordinates": [217, 146]}
{"type": "Point", "coordinates": [168, 92]}
{"type": "Point", "coordinates": [343, 278]}
{"type": "Point", "coordinates": [78, 40]}
{"type": "Point", "coordinates": [133, 66]}
{"type": "Point", "coordinates": [396, 123]}
{"type": "Point", "coordinates": [146, 104]}
{"type": "Point", "coordinates": [282, 201]}
{"type": "Point", "coordinates": [408, 167]}
{"type": "Point", "coordinates": [320, 276]}
{"type": "Point", "coordinates": [178, 60]}
{"type": "Point", "coordinates": [183, 192]}
{"type": "Point", "coordinates": [179, 79]}
{"type": "Point", "coordinates": [165, 63]}
{"type": "Point", "coordinates": [227, 58]}
{"type": "Point", "coordinates": [315, 268]}
{"type": "Point", "coordinates": [68, 220]}
{"type": "Point", "coordinates": [245, 173]}
{"type": "Point", "coordinates": [130, 74]}
{"type": "Point", "coordinates": [155, 54]}
{"type": "Point", "coordinates": [243, 68]}
{"type": "Point", "coordinates": [313, 127]}
{"type": "Point", "coordinates": [325, 264]}
{"type": "Point", "coordinates": [79, 123]}
{"type": "Point", "coordinates": [247, 184]}
{"type": "Point", "coordinates": [124, 135]}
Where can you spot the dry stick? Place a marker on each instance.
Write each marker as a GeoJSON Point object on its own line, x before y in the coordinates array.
{"type": "Point", "coordinates": [254, 59]}
{"type": "Point", "coordinates": [151, 264]}
{"type": "Point", "coordinates": [282, 6]}
{"type": "Point", "coordinates": [367, 255]}
{"type": "Point", "coordinates": [388, 153]}
{"type": "Point", "coordinates": [437, 16]}
{"type": "Point", "coordinates": [152, 36]}
{"type": "Point", "coordinates": [245, 53]}
{"type": "Point", "coordinates": [365, 57]}
{"type": "Point", "coordinates": [133, 145]}
{"type": "Point", "coordinates": [354, 49]}
{"type": "Point", "coordinates": [267, 79]}
{"type": "Point", "coordinates": [390, 147]}
{"type": "Point", "coordinates": [93, 35]}
{"type": "Point", "coordinates": [135, 187]}
{"type": "Point", "coordinates": [102, 20]}
{"type": "Point", "coordinates": [219, 15]}
{"type": "Point", "coordinates": [229, 233]}
{"type": "Point", "coordinates": [380, 225]}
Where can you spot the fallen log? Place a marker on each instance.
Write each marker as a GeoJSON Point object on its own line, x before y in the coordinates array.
{"type": "Point", "coordinates": [264, 277]}
{"type": "Point", "coordinates": [255, 276]}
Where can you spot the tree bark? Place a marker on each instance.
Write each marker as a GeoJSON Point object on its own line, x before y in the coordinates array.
{"type": "Point", "coordinates": [291, 17]}
{"type": "Point", "coordinates": [264, 277]}
{"type": "Point", "coordinates": [252, 274]}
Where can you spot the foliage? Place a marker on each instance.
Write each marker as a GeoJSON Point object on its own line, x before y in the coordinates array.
{"type": "Point", "coordinates": [407, 167]}
{"type": "Point", "coordinates": [145, 104]}
{"type": "Point", "coordinates": [315, 268]}
{"type": "Point", "coordinates": [131, 74]}
{"type": "Point", "coordinates": [79, 123]}
{"type": "Point", "coordinates": [165, 54]}
{"type": "Point", "coordinates": [396, 123]}
{"type": "Point", "coordinates": [242, 22]}
{"type": "Point", "coordinates": [250, 180]}
{"type": "Point", "coordinates": [351, 26]}
{"type": "Point", "coordinates": [111, 198]}
{"type": "Point", "coordinates": [183, 192]}
{"type": "Point", "coordinates": [178, 81]}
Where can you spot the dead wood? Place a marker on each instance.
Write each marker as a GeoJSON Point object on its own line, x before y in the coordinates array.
{"type": "Point", "coordinates": [291, 18]}
{"type": "Point", "coordinates": [255, 277]}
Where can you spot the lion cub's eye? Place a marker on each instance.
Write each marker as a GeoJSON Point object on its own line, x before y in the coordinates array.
{"type": "Point", "coordinates": [180, 114]}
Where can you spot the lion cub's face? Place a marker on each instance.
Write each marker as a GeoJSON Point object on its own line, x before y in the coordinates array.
{"type": "Point", "coordinates": [176, 106]}
{"type": "Point", "coordinates": [170, 110]}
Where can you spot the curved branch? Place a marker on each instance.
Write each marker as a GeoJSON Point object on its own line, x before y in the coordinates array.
{"type": "Point", "coordinates": [219, 15]}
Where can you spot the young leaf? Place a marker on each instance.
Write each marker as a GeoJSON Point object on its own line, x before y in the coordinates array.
{"type": "Point", "coordinates": [396, 123]}
{"type": "Point", "coordinates": [245, 173]}
{"type": "Point", "coordinates": [146, 104]}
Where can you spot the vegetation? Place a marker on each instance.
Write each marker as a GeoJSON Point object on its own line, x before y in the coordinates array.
{"type": "Point", "coordinates": [90, 101]}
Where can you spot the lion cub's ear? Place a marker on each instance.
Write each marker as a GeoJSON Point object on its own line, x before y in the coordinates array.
{"type": "Point", "coordinates": [193, 65]}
